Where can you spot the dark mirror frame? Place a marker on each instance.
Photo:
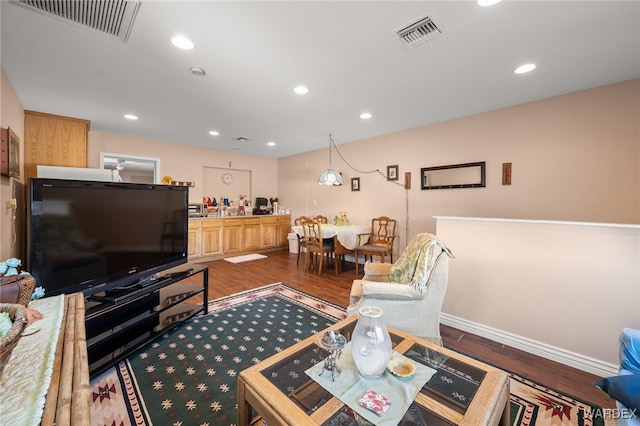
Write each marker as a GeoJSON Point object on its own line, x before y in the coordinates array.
{"type": "Point", "coordinates": [448, 172]}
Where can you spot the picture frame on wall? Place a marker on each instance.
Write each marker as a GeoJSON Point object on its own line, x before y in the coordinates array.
{"type": "Point", "coordinates": [355, 184]}
{"type": "Point", "coordinates": [9, 153]}
{"type": "Point", "coordinates": [392, 172]}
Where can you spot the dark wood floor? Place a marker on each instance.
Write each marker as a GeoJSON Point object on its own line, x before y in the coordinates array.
{"type": "Point", "coordinates": [226, 278]}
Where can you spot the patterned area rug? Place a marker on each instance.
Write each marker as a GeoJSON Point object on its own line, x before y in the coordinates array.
{"type": "Point", "coordinates": [535, 404]}
{"type": "Point", "coordinates": [189, 375]}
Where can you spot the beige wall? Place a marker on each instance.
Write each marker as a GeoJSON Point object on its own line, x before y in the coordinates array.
{"type": "Point", "coordinates": [11, 115]}
{"type": "Point", "coordinates": [186, 163]}
{"type": "Point", "coordinates": [575, 157]}
{"type": "Point", "coordinates": [563, 290]}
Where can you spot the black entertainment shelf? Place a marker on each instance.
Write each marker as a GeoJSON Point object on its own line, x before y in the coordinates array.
{"type": "Point", "coordinates": [120, 322]}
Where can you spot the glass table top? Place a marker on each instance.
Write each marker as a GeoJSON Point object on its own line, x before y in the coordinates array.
{"type": "Point", "coordinates": [454, 384]}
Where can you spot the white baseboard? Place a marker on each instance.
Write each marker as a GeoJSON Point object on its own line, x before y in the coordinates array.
{"type": "Point", "coordinates": [572, 359]}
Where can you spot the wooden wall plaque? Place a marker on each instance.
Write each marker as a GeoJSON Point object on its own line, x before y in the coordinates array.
{"type": "Point", "coordinates": [9, 153]}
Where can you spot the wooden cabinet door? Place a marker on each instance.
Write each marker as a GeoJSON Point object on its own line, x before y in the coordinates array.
{"type": "Point", "coordinates": [284, 228]}
{"type": "Point", "coordinates": [211, 237]}
{"type": "Point", "coordinates": [268, 231]}
{"type": "Point", "coordinates": [232, 235]}
{"type": "Point", "coordinates": [251, 234]}
{"type": "Point", "coordinates": [194, 238]}
{"type": "Point", "coordinates": [53, 140]}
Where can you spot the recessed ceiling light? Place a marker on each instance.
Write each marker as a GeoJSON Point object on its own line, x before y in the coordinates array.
{"type": "Point", "coordinates": [130, 117]}
{"type": "Point", "coordinates": [301, 90]}
{"type": "Point", "coordinates": [488, 2]}
{"type": "Point", "coordinates": [214, 133]}
{"type": "Point", "coordinates": [182, 42]}
{"type": "Point", "coordinates": [271, 143]}
{"type": "Point", "coordinates": [522, 69]}
{"type": "Point", "coordinates": [365, 115]}
{"type": "Point", "coordinates": [197, 71]}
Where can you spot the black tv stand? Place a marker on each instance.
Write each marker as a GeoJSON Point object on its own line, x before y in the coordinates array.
{"type": "Point", "coordinates": [135, 287]}
{"type": "Point", "coordinates": [120, 321]}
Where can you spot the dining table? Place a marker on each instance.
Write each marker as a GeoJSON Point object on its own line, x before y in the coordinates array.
{"type": "Point", "coordinates": [347, 235]}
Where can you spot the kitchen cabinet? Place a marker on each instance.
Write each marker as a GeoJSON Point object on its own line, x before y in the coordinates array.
{"type": "Point", "coordinates": [53, 140]}
{"type": "Point", "coordinates": [284, 228]}
{"type": "Point", "coordinates": [215, 238]}
{"type": "Point", "coordinates": [275, 231]}
{"type": "Point", "coordinates": [232, 236]}
{"type": "Point", "coordinates": [269, 232]}
{"type": "Point", "coordinates": [211, 239]}
{"type": "Point", "coordinates": [194, 241]}
{"type": "Point", "coordinates": [251, 234]}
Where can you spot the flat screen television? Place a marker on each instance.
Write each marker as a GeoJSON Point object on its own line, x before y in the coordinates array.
{"type": "Point", "coordinates": [94, 236]}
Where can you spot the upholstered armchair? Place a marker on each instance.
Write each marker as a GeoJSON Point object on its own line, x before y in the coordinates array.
{"type": "Point", "coordinates": [410, 291]}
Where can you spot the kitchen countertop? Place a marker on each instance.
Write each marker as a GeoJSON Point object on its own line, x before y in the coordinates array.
{"type": "Point", "coordinates": [239, 216]}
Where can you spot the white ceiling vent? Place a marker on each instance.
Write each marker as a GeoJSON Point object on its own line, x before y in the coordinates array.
{"type": "Point", "coordinates": [112, 18]}
{"type": "Point", "coordinates": [418, 31]}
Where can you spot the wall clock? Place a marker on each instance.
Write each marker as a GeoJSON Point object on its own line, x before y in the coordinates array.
{"type": "Point", "coordinates": [227, 178]}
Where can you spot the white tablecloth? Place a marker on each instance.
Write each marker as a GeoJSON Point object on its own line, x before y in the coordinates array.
{"type": "Point", "coordinates": [347, 234]}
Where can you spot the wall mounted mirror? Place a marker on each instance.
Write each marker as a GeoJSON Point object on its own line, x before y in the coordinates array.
{"type": "Point", "coordinates": [132, 168]}
{"type": "Point", "coordinates": [467, 175]}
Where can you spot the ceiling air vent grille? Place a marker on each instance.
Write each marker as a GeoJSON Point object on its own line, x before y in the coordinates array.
{"type": "Point", "coordinates": [416, 32]}
{"type": "Point", "coordinates": [112, 18]}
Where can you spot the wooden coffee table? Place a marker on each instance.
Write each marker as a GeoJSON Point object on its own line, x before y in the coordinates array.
{"type": "Point", "coordinates": [463, 391]}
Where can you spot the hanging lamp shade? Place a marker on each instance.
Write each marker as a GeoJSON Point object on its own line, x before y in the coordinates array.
{"type": "Point", "coordinates": [330, 176]}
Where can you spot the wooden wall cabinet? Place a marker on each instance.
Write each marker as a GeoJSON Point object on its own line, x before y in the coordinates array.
{"type": "Point", "coordinates": [53, 140]}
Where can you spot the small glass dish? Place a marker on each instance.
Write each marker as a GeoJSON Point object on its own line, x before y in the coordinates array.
{"type": "Point", "coordinates": [401, 367]}
{"type": "Point", "coordinates": [331, 341]}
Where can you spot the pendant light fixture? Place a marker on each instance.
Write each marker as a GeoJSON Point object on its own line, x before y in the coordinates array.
{"type": "Point", "coordinates": [330, 176]}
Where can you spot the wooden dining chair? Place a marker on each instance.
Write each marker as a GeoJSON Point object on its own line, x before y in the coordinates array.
{"type": "Point", "coordinates": [321, 219]}
{"type": "Point", "coordinates": [378, 242]}
{"type": "Point", "coordinates": [339, 252]}
{"type": "Point", "coordinates": [317, 248]}
{"type": "Point", "coordinates": [301, 243]}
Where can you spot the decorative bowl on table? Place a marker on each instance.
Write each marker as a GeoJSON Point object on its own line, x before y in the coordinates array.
{"type": "Point", "coordinates": [331, 340]}
{"type": "Point", "coordinates": [401, 367]}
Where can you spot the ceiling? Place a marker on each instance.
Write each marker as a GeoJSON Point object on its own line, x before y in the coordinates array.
{"type": "Point", "coordinates": [255, 53]}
